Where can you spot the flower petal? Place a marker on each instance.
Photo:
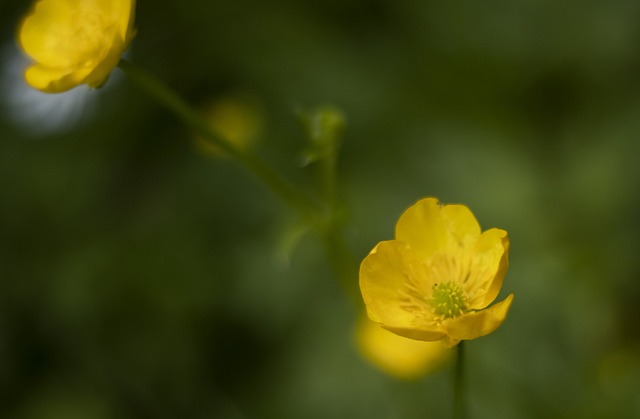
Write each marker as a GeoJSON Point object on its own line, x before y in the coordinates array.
{"type": "Point", "coordinates": [43, 31]}
{"type": "Point", "coordinates": [461, 223]}
{"type": "Point", "coordinates": [101, 72]}
{"type": "Point", "coordinates": [479, 323]}
{"type": "Point", "coordinates": [426, 333]}
{"type": "Point", "coordinates": [492, 261]}
{"type": "Point", "coordinates": [421, 225]}
{"type": "Point", "coordinates": [430, 227]}
{"type": "Point", "coordinates": [382, 278]}
{"type": "Point", "coordinates": [123, 13]}
{"type": "Point", "coordinates": [393, 288]}
{"type": "Point", "coordinates": [401, 357]}
{"type": "Point", "coordinates": [53, 80]}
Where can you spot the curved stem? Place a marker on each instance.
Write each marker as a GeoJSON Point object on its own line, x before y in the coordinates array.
{"type": "Point", "coordinates": [321, 215]}
{"type": "Point", "coordinates": [279, 185]}
{"type": "Point", "coordinates": [459, 404]}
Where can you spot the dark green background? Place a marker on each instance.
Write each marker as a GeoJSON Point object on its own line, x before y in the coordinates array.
{"type": "Point", "coordinates": [140, 278]}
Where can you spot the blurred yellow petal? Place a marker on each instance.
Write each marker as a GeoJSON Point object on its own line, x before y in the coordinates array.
{"type": "Point", "coordinates": [44, 32]}
{"type": "Point", "coordinates": [52, 80]}
{"type": "Point", "coordinates": [101, 72]}
{"type": "Point", "coordinates": [400, 357]}
{"type": "Point", "coordinates": [123, 12]}
{"type": "Point", "coordinates": [237, 119]}
{"type": "Point", "coordinates": [480, 323]}
{"type": "Point", "coordinates": [74, 42]}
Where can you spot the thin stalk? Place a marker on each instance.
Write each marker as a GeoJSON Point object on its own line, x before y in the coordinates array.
{"type": "Point", "coordinates": [342, 260]}
{"type": "Point", "coordinates": [274, 181]}
{"type": "Point", "coordinates": [459, 402]}
{"type": "Point", "coordinates": [330, 178]}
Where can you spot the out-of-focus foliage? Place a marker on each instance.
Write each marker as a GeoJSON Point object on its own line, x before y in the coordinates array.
{"type": "Point", "coordinates": [141, 278]}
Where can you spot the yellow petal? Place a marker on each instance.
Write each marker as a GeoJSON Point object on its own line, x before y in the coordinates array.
{"type": "Point", "coordinates": [123, 13]}
{"type": "Point", "coordinates": [430, 227]}
{"type": "Point", "coordinates": [427, 332]}
{"type": "Point", "coordinates": [401, 357]}
{"type": "Point", "coordinates": [450, 342]}
{"type": "Point", "coordinates": [479, 323]}
{"type": "Point", "coordinates": [461, 223]}
{"type": "Point", "coordinates": [101, 72]}
{"type": "Point", "coordinates": [52, 80]}
{"type": "Point", "coordinates": [382, 280]}
{"type": "Point", "coordinates": [492, 261]}
{"type": "Point", "coordinates": [422, 227]}
{"type": "Point", "coordinates": [393, 287]}
{"type": "Point", "coordinates": [44, 31]}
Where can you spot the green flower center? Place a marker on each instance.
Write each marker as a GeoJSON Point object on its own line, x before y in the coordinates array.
{"type": "Point", "coordinates": [448, 300]}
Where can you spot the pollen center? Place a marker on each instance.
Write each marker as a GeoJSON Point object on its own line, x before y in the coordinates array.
{"type": "Point", "coordinates": [448, 300]}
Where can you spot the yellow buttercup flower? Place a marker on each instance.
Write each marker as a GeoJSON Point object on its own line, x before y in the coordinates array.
{"type": "Point", "coordinates": [74, 42]}
{"type": "Point", "coordinates": [398, 356]}
{"type": "Point", "coordinates": [435, 281]}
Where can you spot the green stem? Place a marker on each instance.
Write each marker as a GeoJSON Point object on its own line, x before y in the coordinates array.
{"type": "Point", "coordinates": [459, 404]}
{"type": "Point", "coordinates": [342, 260]}
{"type": "Point", "coordinates": [340, 256]}
{"type": "Point", "coordinates": [322, 216]}
{"type": "Point", "coordinates": [279, 185]}
{"type": "Point", "coordinates": [330, 178]}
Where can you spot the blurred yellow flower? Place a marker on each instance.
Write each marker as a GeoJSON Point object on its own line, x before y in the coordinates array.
{"type": "Point", "coordinates": [237, 119]}
{"type": "Point", "coordinates": [74, 42]}
{"type": "Point", "coordinates": [437, 278]}
{"type": "Point", "coordinates": [398, 356]}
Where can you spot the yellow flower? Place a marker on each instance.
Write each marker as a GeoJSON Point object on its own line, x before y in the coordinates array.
{"type": "Point", "coordinates": [436, 280]}
{"type": "Point", "coordinates": [75, 42]}
{"type": "Point", "coordinates": [400, 357]}
{"type": "Point", "coordinates": [237, 119]}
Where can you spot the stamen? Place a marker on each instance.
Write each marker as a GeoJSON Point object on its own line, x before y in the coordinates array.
{"type": "Point", "coordinates": [448, 300]}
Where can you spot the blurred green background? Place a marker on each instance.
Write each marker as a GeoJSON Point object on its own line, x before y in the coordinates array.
{"type": "Point", "coordinates": [141, 278]}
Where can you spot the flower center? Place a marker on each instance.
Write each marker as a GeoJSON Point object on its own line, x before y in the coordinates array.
{"type": "Point", "coordinates": [448, 300]}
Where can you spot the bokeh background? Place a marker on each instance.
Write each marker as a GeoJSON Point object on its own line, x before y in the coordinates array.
{"type": "Point", "coordinates": [143, 278]}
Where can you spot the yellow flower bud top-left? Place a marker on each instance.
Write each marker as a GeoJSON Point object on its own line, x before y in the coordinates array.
{"type": "Point", "coordinates": [74, 42]}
